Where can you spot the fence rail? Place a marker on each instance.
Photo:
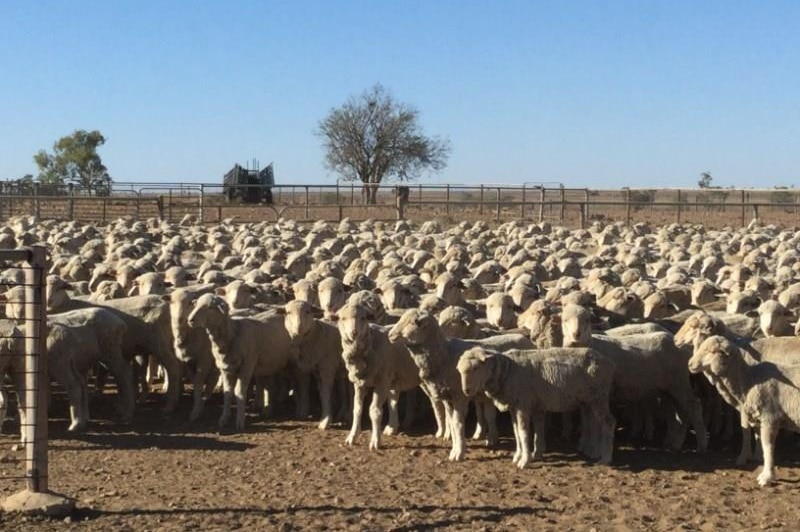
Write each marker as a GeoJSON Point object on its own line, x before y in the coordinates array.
{"type": "Point", "coordinates": [537, 202]}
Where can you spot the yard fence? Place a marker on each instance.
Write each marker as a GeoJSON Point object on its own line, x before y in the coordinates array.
{"type": "Point", "coordinates": [574, 207]}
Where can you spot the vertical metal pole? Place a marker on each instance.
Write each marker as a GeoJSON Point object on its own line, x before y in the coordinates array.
{"type": "Point", "coordinates": [169, 208]}
{"type": "Point", "coordinates": [37, 382]}
{"type": "Point", "coordinates": [337, 192]}
{"type": "Point", "coordinates": [138, 201]}
{"type": "Point", "coordinates": [541, 204]}
{"type": "Point", "coordinates": [447, 200]}
{"type": "Point", "coordinates": [522, 205]}
{"type": "Point", "coordinates": [743, 210]}
{"type": "Point", "coordinates": [678, 213]}
{"type": "Point", "coordinates": [352, 193]}
{"type": "Point", "coordinates": [37, 206]}
{"type": "Point", "coordinates": [497, 215]}
{"type": "Point", "coordinates": [201, 203]}
{"type": "Point", "coordinates": [480, 210]}
{"type": "Point", "coordinates": [586, 198]}
{"type": "Point", "coordinates": [628, 207]}
{"type": "Point", "coordinates": [105, 203]}
{"type": "Point", "coordinates": [583, 207]}
{"type": "Point", "coordinates": [563, 204]}
{"type": "Point", "coordinates": [306, 202]}
{"type": "Point", "coordinates": [71, 213]}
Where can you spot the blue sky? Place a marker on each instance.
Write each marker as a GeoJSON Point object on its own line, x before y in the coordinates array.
{"type": "Point", "coordinates": [599, 94]}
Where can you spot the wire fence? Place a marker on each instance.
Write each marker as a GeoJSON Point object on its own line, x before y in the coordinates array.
{"type": "Point", "coordinates": [23, 371]}
{"type": "Point", "coordinates": [530, 201]}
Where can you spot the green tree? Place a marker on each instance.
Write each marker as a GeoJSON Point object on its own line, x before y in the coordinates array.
{"type": "Point", "coordinates": [372, 136]}
{"type": "Point", "coordinates": [705, 180]}
{"type": "Point", "coordinates": [75, 160]}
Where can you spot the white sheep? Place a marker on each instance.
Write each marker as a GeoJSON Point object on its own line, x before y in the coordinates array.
{"type": "Point", "coordinates": [436, 357]}
{"type": "Point", "coordinates": [533, 382]}
{"type": "Point", "coordinates": [766, 394]}
{"type": "Point", "coordinates": [243, 348]}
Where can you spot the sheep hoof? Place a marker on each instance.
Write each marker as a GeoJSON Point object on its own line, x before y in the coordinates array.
{"type": "Point", "coordinates": [389, 430]}
{"type": "Point", "coordinates": [373, 445]}
{"type": "Point", "coordinates": [323, 425]}
{"type": "Point", "coordinates": [522, 463]}
{"type": "Point", "coordinates": [764, 478]}
{"type": "Point", "coordinates": [439, 434]}
{"type": "Point", "coordinates": [351, 438]}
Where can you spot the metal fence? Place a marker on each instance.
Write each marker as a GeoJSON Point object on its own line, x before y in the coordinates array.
{"type": "Point", "coordinates": [531, 201]}
{"type": "Point", "coordinates": [23, 361]}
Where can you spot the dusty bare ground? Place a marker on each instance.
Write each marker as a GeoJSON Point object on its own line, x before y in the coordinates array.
{"type": "Point", "coordinates": [287, 475]}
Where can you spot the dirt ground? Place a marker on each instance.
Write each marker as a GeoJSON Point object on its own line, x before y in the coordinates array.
{"type": "Point", "coordinates": [287, 475]}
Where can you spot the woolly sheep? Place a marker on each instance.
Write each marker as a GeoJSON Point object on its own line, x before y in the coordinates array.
{"type": "Point", "coordinates": [533, 382]}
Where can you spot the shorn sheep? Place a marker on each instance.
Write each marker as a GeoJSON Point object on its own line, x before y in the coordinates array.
{"type": "Point", "coordinates": [767, 395]}
{"type": "Point", "coordinates": [533, 382]}
{"type": "Point", "coordinates": [436, 357]}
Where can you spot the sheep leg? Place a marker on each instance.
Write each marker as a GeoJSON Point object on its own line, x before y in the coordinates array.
{"type": "Point", "coordinates": [199, 380]}
{"type": "Point", "coordinates": [604, 432]}
{"type": "Point", "coordinates": [438, 413]}
{"type": "Point", "coordinates": [517, 446]}
{"type": "Point", "coordinates": [325, 386]}
{"type": "Point", "coordinates": [302, 380]}
{"type": "Point", "coordinates": [746, 450]}
{"type": "Point", "coordinates": [394, 419]}
{"type": "Point", "coordinates": [480, 420]}
{"type": "Point", "coordinates": [228, 385]}
{"type": "Point", "coordinates": [490, 417]}
{"type": "Point", "coordinates": [566, 425]}
{"type": "Point", "coordinates": [458, 412]}
{"type": "Point", "coordinates": [376, 417]}
{"type": "Point", "coordinates": [410, 410]}
{"type": "Point", "coordinates": [172, 383]}
{"type": "Point", "coordinates": [769, 432]}
{"type": "Point", "coordinates": [123, 375]}
{"type": "Point", "coordinates": [539, 430]}
{"type": "Point", "coordinates": [358, 407]}
{"type": "Point", "coordinates": [690, 408]}
{"type": "Point", "coordinates": [240, 391]}
{"type": "Point", "coordinates": [523, 434]}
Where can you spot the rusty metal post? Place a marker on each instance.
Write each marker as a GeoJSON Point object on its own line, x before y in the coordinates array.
{"type": "Point", "coordinates": [678, 213]}
{"type": "Point", "coordinates": [744, 220]}
{"type": "Point", "coordinates": [522, 205]}
{"type": "Point", "coordinates": [306, 209]}
{"type": "Point", "coordinates": [480, 208]}
{"type": "Point", "coordinates": [71, 202]}
{"type": "Point", "coordinates": [583, 207]}
{"type": "Point", "coordinates": [497, 216]}
{"type": "Point", "coordinates": [36, 203]}
{"type": "Point", "coordinates": [586, 198]}
{"type": "Point", "coordinates": [563, 204]}
{"type": "Point", "coordinates": [201, 203]}
{"type": "Point", "coordinates": [447, 199]}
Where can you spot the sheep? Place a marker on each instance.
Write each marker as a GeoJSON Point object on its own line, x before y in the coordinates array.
{"type": "Point", "coordinates": [544, 323]}
{"type": "Point", "coordinates": [191, 345]}
{"type": "Point", "coordinates": [243, 347]}
{"type": "Point", "coordinates": [372, 360]}
{"type": "Point", "coordinates": [436, 356]}
{"type": "Point", "coordinates": [459, 322]}
{"type": "Point", "coordinates": [500, 311]}
{"type": "Point", "coordinates": [774, 319]}
{"type": "Point", "coordinates": [766, 394]}
{"type": "Point", "coordinates": [646, 365]}
{"type": "Point", "coordinates": [12, 362]}
{"type": "Point", "coordinates": [332, 295]}
{"type": "Point", "coordinates": [76, 341]}
{"type": "Point", "coordinates": [318, 346]}
{"type": "Point", "coordinates": [148, 329]}
{"type": "Point", "coordinates": [533, 382]}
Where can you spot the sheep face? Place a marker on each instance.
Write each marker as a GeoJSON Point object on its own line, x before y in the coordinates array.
{"type": "Point", "coordinates": [774, 319]}
{"type": "Point", "coordinates": [56, 292]}
{"type": "Point", "coordinates": [474, 371]}
{"type": "Point", "coordinates": [576, 326]}
{"type": "Point", "coordinates": [742, 302]}
{"type": "Point", "coordinates": [449, 289]}
{"type": "Point", "coordinates": [500, 311]}
{"type": "Point", "coordinates": [210, 312]}
{"type": "Point", "coordinates": [712, 356]}
{"type": "Point", "coordinates": [332, 295]}
{"type": "Point", "coordinates": [299, 319]}
{"type": "Point", "coordinates": [305, 291]}
{"type": "Point", "coordinates": [696, 329]}
{"type": "Point", "coordinates": [656, 306]}
{"type": "Point", "coordinates": [353, 323]}
{"type": "Point", "coordinates": [415, 326]}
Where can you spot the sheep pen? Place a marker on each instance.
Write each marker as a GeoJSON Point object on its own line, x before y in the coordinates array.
{"type": "Point", "coordinates": [281, 473]}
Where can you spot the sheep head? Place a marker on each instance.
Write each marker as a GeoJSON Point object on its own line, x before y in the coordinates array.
{"type": "Point", "coordinates": [56, 292]}
{"type": "Point", "coordinates": [353, 323]}
{"type": "Point", "coordinates": [458, 322]}
{"type": "Point", "coordinates": [474, 370]}
{"type": "Point", "coordinates": [696, 329]}
{"type": "Point", "coordinates": [576, 326]}
{"type": "Point", "coordinates": [774, 318]}
{"type": "Point", "coordinates": [712, 356]}
{"type": "Point", "coordinates": [500, 311]}
{"type": "Point", "coordinates": [332, 295]}
{"type": "Point", "coordinates": [416, 326]}
{"type": "Point", "coordinates": [210, 312]}
{"type": "Point", "coordinates": [299, 319]}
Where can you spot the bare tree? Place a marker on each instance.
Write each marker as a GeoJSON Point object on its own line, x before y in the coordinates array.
{"type": "Point", "coordinates": [372, 137]}
{"type": "Point", "coordinates": [705, 180]}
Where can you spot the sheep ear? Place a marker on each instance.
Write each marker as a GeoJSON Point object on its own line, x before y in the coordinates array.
{"type": "Point", "coordinates": [168, 284]}
{"type": "Point", "coordinates": [280, 310]}
{"type": "Point", "coordinates": [167, 298]}
{"type": "Point", "coordinates": [334, 317]}
{"type": "Point", "coordinates": [751, 313]}
{"type": "Point", "coordinates": [220, 291]}
{"type": "Point", "coordinates": [517, 308]}
{"type": "Point", "coordinates": [377, 291]}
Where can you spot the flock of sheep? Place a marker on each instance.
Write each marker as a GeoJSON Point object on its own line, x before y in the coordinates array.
{"type": "Point", "coordinates": [676, 328]}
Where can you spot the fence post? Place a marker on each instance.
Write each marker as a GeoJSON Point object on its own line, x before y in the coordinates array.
{"type": "Point", "coordinates": [306, 209]}
{"type": "Point", "coordinates": [522, 206]}
{"type": "Point", "coordinates": [541, 204]}
{"type": "Point", "coordinates": [337, 192]}
{"type": "Point", "coordinates": [563, 204]}
{"type": "Point", "coordinates": [583, 207]}
{"type": "Point", "coordinates": [352, 193]}
{"type": "Point", "coordinates": [37, 382]}
{"type": "Point", "coordinates": [755, 211]}
{"type": "Point", "coordinates": [201, 203]}
{"type": "Point", "coordinates": [138, 203]}
{"type": "Point", "coordinates": [105, 203]}
{"type": "Point", "coordinates": [169, 207]}
{"type": "Point", "coordinates": [678, 211]}
{"type": "Point", "coordinates": [586, 198]}
{"type": "Point", "coordinates": [36, 205]}
{"type": "Point", "coordinates": [498, 204]}
{"type": "Point", "coordinates": [447, 199]}
{"type": "Point", "coordinates": [480, 207]}
{"type": "Point", "coordinates": [340, 213]}
{"type": "Point", "coordinates": [743, 208]}
{"type": "Point", "coordinates": [628, 207]}
{"type": "Point", "coordinates": [71, 204]}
